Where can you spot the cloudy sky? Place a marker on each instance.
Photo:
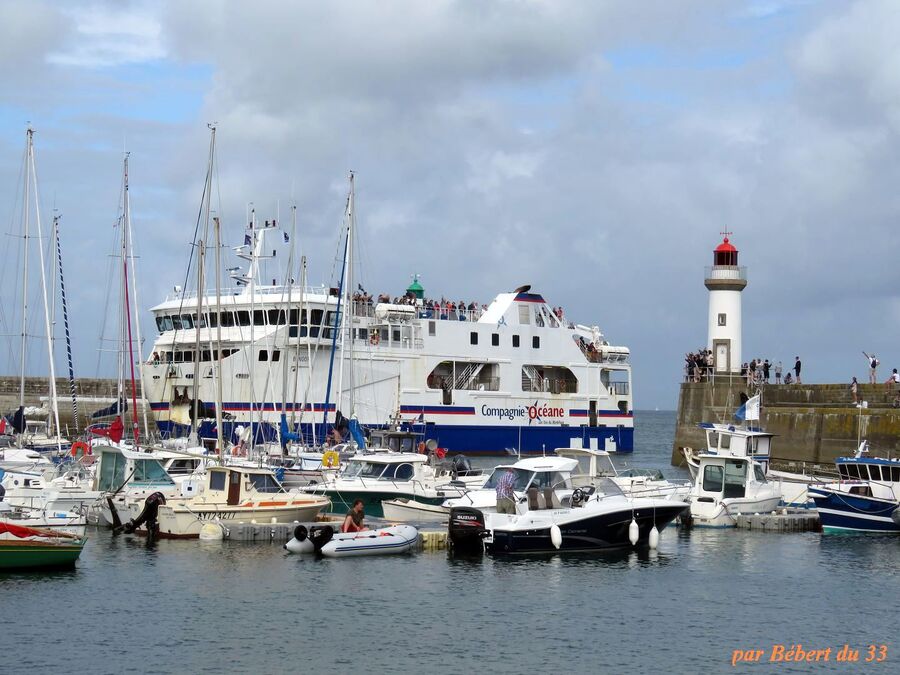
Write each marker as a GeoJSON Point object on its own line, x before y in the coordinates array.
{"type": "Point", "coordinates": [592, 149]}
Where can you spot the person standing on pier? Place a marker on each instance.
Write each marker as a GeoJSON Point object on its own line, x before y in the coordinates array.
{"type": "Point", "coordinates": [873, 366]}
{"type": "Point", "coordinates": [797, 366]}
{"type": "Point", "coordinates": [854, 391]}
{"type": "Point", "coordinates": [778, 373]}
{"type": "Point", "coordinates": [766, 369]}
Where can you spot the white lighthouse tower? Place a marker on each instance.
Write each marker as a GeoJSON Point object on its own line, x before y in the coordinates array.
{"type": "Point", "coordinates": [725, 281]}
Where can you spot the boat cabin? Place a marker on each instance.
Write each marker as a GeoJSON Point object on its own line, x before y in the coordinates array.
{"type": "Point", "coordinates": [732, 441]}
{"type": "Point", "coordinates": [388, 467]}
{"type": "Point", "coordinates": [118, 467]}
{"type": "Point", "coordinates": [591, 464]}
{"type": "Point", "coordinates": [879, 478]}
{"type": "Point", "coordinates": [537, 472]}
{"type": "Point", "coordinates": [234, 485]}
{"type": "Point", "coordinates": [726, 477]}
{"type": "Point", "coordinates": [392, 440]}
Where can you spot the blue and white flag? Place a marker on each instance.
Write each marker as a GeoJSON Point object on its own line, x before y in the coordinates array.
{"type": "Point", "coordinates": [749, 411]}
{"type": "Point", "coordinates": [248, 240]}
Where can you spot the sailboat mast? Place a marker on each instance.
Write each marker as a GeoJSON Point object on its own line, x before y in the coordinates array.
{"type": "Point", "coordinates": [351, 207]}
{"type": "Point", "coordinates": [287, 322]}
{"type": "Point", "coordinates": [134, 296]}
{"type": "Point", "coordinates": [125, 296]}
{"type": "Point", "coordinates": [54, 403]}
{"type": "Point", "coordinates": [29, 134]}
{"type": "Point", "coordinates": [220, 442]}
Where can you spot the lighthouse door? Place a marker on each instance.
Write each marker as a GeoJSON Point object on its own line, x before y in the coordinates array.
{"type": "Point", "coordinates": [722, 357]}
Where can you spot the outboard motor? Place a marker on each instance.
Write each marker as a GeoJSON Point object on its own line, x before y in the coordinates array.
{"type": "Point", "coordinates": [466, 530]}
{"type": "Point", "coordinates": [461, 465]}
{"type": "Point", "coordinates": [319, 536]}
{"type": "Point", "coordinates": [147, 517]}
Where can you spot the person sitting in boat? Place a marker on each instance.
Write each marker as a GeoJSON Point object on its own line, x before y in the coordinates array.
{"type": "Point", "coordinates": [353, 521]}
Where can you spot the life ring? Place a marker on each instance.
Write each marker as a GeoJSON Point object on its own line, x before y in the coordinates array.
{"type": "Point", "coordinates": [331, 460]}
{"type": "Point", "coordinates": [421, 447]}
{"type": "Point", "coordinates": [80, 449]}
{"type": "Point", "coordinates": [374, 338]}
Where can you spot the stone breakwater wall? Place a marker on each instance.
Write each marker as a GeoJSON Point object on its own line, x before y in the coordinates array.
{"type": "Point", "coordinates": [92, 394]}
{"type": "Point", "coordinates": [814, 423]}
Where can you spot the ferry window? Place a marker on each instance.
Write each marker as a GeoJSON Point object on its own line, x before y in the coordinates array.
{"type": "Point", "coordinates": [431, 327]}
{"type": "Point", "coordinates": [473, 337]}
{"type": "Point", "coordinates": [495, 339]}
{"type": "Point", "coordinates": [362, 333]}
{"type": "Point", "coordinates": [167, 322]}
{"type": "Point", "coordinates": [524, 314]}
{"type": "Point", "coordinates": [212, 319]}
{"type": "Point", "coordinates": [294, 316]}
{"type": "Point", "coordinates": [159, 324]}
{"type": "Point", "coordinates": [227, 319]}
{"type": "Point", "coordinates": [396, 335]}
{"type": "Point", "coordinates": [205, 355]}
{"type": "Point", "coordinates": [276, 355]}
{"type": "Point", "coordinates": [243, 318]}
{"type": "Point", "coordinates": [176, 322]}
{"type": "Point", "coordinates": [536, 341]}
{"type": "Point", "coordinates": [758, 472]}
{"type": "Point", "coordinates": [259, 317]}
{"type": "Point", "coordinates": [187, 321]}
{"type": "Point", "coordinates": [713, 476]}
{"type": "Point", "coordinates": [169, 357]}
{"type": "Point", "coordinates": [201, 323]}
{"type": "Point", "coordinates": [276, 317]}
{"type": "Point", "coordinates": [263, 355]}
{"type": "Point", "coordinates": [216, 480]}
{"type": "Point", "coordinates": [515, 340]}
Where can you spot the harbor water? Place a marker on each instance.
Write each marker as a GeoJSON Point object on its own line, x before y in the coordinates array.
{"type": "Point", "coordinates": [232, 607]}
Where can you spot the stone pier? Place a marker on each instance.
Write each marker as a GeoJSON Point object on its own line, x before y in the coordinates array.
{"type": "Point", "coordinates": [814, 423]}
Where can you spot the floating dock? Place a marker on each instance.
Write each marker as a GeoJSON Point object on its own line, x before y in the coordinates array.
{"type": "Point", "coordinates": [785, 520]}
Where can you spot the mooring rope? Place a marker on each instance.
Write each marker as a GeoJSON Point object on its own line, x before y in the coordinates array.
{"type": "Point", "coordinates": [62, 289]}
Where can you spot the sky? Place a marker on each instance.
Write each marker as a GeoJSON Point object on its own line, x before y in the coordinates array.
{"type": "Point", "coordinates": [595, 150]}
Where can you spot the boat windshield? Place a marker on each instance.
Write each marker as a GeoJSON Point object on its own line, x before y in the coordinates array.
{"type": "Point", "coordinates": [112, 471]}
{"type": "Point", "coordinates": [358, 469]}
{"type": "Point", "coordinates": [151, 471]}
{"type": "Point", "coordinates": [264, 482]}
{"type": "Point", "coordinates": [607, 487]}
{"type": "Point", "coordinates": [652, 474]}
{"type": "Point", "coordinates": [523, 478]}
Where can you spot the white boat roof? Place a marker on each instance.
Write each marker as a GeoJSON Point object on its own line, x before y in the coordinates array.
{"type": "Point", "coordinates": [391, 458]}
{"type": "Point", "coordinates": [581, 451]}
{"type": "Point", "coordinates": [732, 430]}
{"type": "Point", "coordinates": [550, 463]}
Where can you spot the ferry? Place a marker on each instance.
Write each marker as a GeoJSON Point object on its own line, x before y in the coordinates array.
{"type": "Point", "coordinates": [512, 376]}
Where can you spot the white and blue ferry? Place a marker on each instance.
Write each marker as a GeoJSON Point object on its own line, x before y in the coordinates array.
{"type": "Point", "coordinates": [514, 375]}
{"type": "Point", "coordinates": [866, 499]}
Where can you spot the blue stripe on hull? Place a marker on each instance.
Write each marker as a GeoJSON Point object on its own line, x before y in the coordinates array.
{"type": "Point", "coordinates": [469, 439]}
{"type": "Point", "coordinates": [845, 512]}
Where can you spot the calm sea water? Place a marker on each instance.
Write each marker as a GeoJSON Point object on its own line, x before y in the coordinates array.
{"type": "Point", "coordinates": [228, 607]}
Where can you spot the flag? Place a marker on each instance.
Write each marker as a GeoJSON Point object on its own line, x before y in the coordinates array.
{"type": "Point", "coordinates": [749, 411]}
{"type": "Point", "coordinates": [247, 240]}
{"type": "Point", "coordinates": [361, 289]}
{"type": "Point", "coordinates": [286, 237]}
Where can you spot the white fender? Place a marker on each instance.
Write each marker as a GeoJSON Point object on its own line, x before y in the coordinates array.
{"type": "Point", "coordinates": [654, 537]}
{"type": "Point", "coordinates": [555, 535]}
{"type": "Point", "coordinates": [633, 532]}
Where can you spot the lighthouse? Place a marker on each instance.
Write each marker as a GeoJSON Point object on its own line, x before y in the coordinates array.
{"type": "Point", "coordinates": [725, 281]}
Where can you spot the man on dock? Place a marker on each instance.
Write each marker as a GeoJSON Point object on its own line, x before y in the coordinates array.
{"type": "Point", "coordinates": [778, 373]}
{"type": "Point", "coordinates": [873, 366]}
{"type": "Point", "coordinates": [797, 366]}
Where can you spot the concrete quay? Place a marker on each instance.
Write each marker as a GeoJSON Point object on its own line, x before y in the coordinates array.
{"type": "Point", "coordinates": [814, 423]}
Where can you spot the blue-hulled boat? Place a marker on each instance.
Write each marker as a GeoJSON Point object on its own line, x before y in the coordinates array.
{"type": "Point", "coordinates": [866, 499]}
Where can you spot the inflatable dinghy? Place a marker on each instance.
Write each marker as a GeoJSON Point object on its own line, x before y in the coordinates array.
{"type": "Point", "coordinates": [323, 540]}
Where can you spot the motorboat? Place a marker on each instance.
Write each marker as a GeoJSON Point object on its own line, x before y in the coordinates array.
{"type": "Point", "coordinates": [727, 486]}
{"type": "Point", "coordinates": [594, 464]}
{"type": "Point", "coordinates": [409, 510]}
{"type": "Point", "coordinates": [26, 548]}
{"type": "Point", "coordinates": [562, 517]}
{"type": "Point", "coordinates": [67, 522]}
{"type": "Point", "coordinates": [383, 541]}
{"type": "Point", "coordinates": [865, 499]}
{"type": "Point", "coordinates": [231, 494]}
{"type": "Point", "coordinates": [728, 440]}
{"type": "Point", "coordinates": [381, 476]}
{"type": "Point", "coordinates": [66, 487]}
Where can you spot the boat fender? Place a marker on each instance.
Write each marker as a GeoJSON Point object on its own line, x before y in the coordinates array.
{"type": "Point", "coordinates": [633, 532]}
{"type": "Point", "coordinates": [895, 516]}
{"type": "Point", "coordinates": [653, 540]}
{"type": "Point", "coordinates": [555, 536]}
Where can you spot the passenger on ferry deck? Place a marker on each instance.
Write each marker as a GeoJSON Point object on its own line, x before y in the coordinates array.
{"type": "Point", "coordinates": [353, 521]}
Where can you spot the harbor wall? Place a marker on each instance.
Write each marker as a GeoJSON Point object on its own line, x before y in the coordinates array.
{"type": "Point", "coordinates": [814, 422]}
{"type": "Point", "coordinates": [92, 395]}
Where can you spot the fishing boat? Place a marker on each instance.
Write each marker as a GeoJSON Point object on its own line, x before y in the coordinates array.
{"type": "Point", "coordinates": [383, 541]}
{"type": "Point", "coordinates": [27, 549]}
{"type": "Point", "coordinates": [232, 494]}
{"type": "Point", "coordinates": [865, 499]}
{"type": "Point", "coordinates": [564, 518]}
{"type": "Point", "coordinates": [482, 378]}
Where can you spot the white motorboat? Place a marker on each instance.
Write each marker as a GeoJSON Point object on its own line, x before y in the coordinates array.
{"type": "Point", "coordinates": [63, 488]}
{"type": "Point", "coordinates": [594, 464]}
{"type": "Point", "coordinates": [66, 522]}
{"type": "Point", "coordinates": [383, 541]}
{"type": "Point", "coordinates": [562, 517]}
{"type": "Point", "coordinates": [231, 494]}
{"type": "Point", "coordinates": [409, 510]}
{"type": "Point", "coordinates": [729, 486]}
